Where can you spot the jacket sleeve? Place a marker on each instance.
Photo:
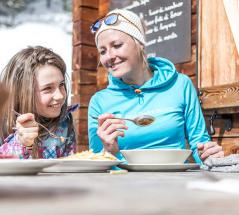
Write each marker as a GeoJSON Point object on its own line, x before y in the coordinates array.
{"type": "Point", "coordinates": [195, 126]}
{"type": "Point", "coordinates": [94, 110]}
{"type": "Point", "coordinates": [11, 146]}
{"type": "Point", "coordinates": [71, 136]}
{"type": "Point", "coordinates": [71, 144]}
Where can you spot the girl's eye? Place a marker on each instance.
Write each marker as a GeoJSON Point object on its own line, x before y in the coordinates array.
{"type": "Point", "coordinates": [47, 89]}
{"type": "Point", "coordinates": [118, 45]}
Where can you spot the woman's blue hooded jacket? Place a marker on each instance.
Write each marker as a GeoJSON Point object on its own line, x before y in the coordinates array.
{"type": "Point", "coordinates": [169, 96]}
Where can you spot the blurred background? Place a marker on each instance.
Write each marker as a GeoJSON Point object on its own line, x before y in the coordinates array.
{"type": "Point", "coordinates": [32, 22]}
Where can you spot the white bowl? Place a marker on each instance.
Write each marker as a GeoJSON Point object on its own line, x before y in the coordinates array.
{"type": "Point", "coordinates": [156, 156]}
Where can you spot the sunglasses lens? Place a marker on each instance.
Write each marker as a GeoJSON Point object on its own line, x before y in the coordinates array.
{"type": "Point", "coordinates": [111, 19]}
{"type": "Point", "coordinates": [95, 26]}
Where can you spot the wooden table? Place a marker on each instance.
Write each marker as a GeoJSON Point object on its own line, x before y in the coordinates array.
{"type": "Point", "coordinates": [102, 193]}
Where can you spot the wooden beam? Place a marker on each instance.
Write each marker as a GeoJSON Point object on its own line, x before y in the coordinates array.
{"type": "Point", "coordinates": [228, 110]}
{"type": "Point", "coordinates": [223, 96]}
{"type": "Point", "coordinates": [85, 57]}
{"type": "Point", "coordinates": [82, 33]}
{"type": "Point", "coordinates": [85, 14]}
{"type": "Point", "coordinates": [85, 3]}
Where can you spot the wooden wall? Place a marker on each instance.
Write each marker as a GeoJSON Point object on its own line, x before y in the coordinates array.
{"type": "Point", "coordinates": [218, 68]}
{"type": "Point", "coordinates": [87, 78]}
{"type": "Point", "coordinates": [189, 68]}
{"type": "Point", "coordinates": [85, 57]}
{"type": "Point", "coordinates": [218, 55]}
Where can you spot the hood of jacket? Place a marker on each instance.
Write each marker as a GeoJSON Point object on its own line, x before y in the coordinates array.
{"type": "Point", "coordinates": [163, 70]}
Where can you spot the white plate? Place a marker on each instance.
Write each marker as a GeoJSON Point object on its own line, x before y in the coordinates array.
{"type": "Point", "coordinates": [77, 165]}
{"type": "Point", "coordinates": [159, 167]}
{"type": "Point", "coordinates": [24, 167]}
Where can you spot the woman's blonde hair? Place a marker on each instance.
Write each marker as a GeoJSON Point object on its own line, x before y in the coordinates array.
{"type": "Point", "coordinates": [142, 54]}
{"type": "Point", "coordinates": [19, 78]}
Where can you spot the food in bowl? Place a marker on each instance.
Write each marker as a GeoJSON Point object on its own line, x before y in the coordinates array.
{"type": "Point", "coordinates": [156, 156]}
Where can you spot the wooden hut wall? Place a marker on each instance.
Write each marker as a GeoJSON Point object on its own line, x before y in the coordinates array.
{"type": "Point", "coordinates": [84, 80]}
{"type": "Point", "coordinates": [218, 69]}
{"type": "Point", "coordinates": [88, 78]}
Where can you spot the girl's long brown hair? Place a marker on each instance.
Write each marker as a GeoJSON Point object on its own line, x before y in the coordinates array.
{"type": "Point", "coordinates": [19, 78]}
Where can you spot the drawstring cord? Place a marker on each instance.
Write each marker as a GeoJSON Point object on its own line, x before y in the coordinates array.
{"type": "Point", "coordinates": [139, 93]}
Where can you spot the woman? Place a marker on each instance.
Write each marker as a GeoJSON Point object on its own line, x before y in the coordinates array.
{"type": "Point", "coordinates": [140, 86]}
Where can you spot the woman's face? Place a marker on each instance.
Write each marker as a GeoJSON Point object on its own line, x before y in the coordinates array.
{"type": "Point", "coordinates": [50, 91]}
{"type": "Point", "coordinates": [119, 54]}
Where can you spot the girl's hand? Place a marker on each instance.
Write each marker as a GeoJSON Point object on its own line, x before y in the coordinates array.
{"type": "Point", "coordinates": [209, 149]}
{"type": "Point", "coordinates": [109, 130]}
{"type": "Point", "coordinates": [27, 129]}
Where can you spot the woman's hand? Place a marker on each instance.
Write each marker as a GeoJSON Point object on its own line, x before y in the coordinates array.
{"type": "Point", "coordinates": [109, 130]}
{"type": "Point", "coordinates": [209, 149]}
{"type": "Point", "coordinates": [27, 129]}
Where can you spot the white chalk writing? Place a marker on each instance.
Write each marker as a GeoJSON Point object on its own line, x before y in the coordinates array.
{"type": "Point", "coordinates": [137, 4]}
{"type": "Point", "coordinates": [160, 21]}
{"type": "Point", "coordinates": [167, 25]}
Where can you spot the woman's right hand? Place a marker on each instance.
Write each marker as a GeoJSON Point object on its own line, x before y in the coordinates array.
{"type": "Point", "coordinates": [27, 129]}
{"type": "Point", "coordinates": [109, 130]}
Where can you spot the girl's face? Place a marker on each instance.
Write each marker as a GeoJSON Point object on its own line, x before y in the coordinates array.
{"type": "Point", "coordinates": [119, 54]}
{"type": "Point", "coordinates": [50, 91]}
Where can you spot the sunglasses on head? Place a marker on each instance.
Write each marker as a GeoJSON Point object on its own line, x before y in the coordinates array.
{"type": "Point", "coordinates": [111, 19]}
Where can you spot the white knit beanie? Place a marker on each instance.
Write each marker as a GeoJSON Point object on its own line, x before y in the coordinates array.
{"type": "Point", "coordinates": [134, 29]}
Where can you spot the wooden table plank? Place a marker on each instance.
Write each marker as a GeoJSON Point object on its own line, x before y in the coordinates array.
{"type": "Point", "coordinates": [101, 193]}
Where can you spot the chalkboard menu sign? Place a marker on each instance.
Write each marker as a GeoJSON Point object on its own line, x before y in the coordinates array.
{"type": "Point", "coordinates": [168, 26]}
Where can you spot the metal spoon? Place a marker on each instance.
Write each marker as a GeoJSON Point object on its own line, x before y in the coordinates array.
{"type": "Point", "coordinates": [143, 120]}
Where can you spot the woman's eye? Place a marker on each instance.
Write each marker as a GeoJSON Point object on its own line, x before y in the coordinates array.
{"type": "Point", "coordinates": [62, 84]}
{"type": "Point", "coordinates": [102, 52]}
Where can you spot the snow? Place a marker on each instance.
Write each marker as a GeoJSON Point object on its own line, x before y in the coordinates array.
{"type": "Point", "coordinates": [38, 25]}
{"type": "Point", "coordinates": [31, 34]}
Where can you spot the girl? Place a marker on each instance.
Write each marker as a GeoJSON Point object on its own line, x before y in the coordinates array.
{"type": "Point", "coordinates": [141, 86]}
{"type": "Point", "coordinates": [37, 107]}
